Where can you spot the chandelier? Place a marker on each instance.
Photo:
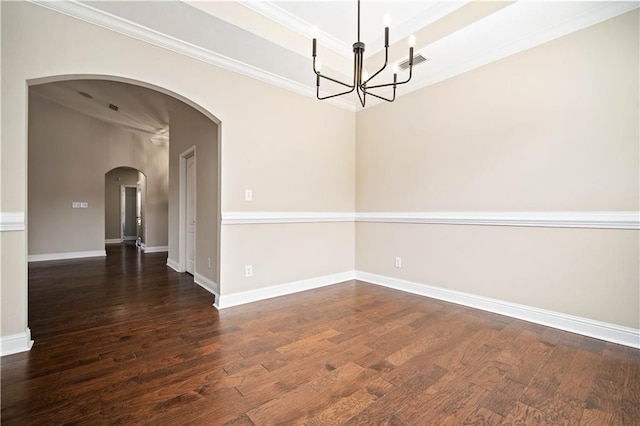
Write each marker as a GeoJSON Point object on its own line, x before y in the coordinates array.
{"type": "Point", "coordinates": [360, 77]}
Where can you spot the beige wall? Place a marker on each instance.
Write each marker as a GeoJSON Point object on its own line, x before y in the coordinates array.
{"type": "Point", "coordinates": [297, 154]}
{"type": "Point", "coordinates": [589, 273]}
{"type": "Point", "coordinates": [69, 154]}
{"type": "Point", "coordinates": [320, 249]}
{"type": "Point", "coordinates": [551, 128]}
{"type": "Point", "coordinates": [112, 181]}
{"type": "Point", "coordinates": [554, 128]}
{"type": "Point", "coordinates": [191, 129]}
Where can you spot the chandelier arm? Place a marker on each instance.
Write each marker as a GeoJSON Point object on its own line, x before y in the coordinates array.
{"type": "Point", "coordinates": [377, 86]}
{"type": "Point", "coordinates": [351, 87]}
{"type": "Point", "coordinates": [331, 96]}
{"type": "Point", "coordinates": [410, 75]}
{"type": "Point", "coordinates": [362, 96]}
{"type": "Point", "coordinates": [362, 100]}
{"type": "Point", "coordinates": [386, 61]}
{"type": "Point", "coordinates": [335, 81]}
{"type": "Point", "coordinates": [324, 76]}
{"type": "Point", "coordinates": [382, 97]}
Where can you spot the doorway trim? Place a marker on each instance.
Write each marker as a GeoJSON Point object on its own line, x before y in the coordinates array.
{"type": "Point", "coordinates": [182, 213]}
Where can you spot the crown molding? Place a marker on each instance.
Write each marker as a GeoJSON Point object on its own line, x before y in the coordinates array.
{"type": "Point", "coordinates": [95, 16]}
{"type": "Point", "coordinates": [288, 20]}
{"type": "Point", "coordinates": [602, 12]}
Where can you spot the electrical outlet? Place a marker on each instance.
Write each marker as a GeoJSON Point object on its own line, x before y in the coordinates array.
{"type": "Point", "coordinates": [398, 262]}
{"type": "Point", "coordinates": [248, 270]}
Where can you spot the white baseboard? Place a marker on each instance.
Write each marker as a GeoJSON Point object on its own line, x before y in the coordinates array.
{"type": "Point", "coordinates": [173, 265]}
{"type": "Point", "coordinates": [15, 343]}
{"type": "Point", "coordinates": [207, 284]}
{"type": "Point", "coordinates": [584, 326]}
{"type": "Point", "coordinates": [67, 255]}
{"type": "Point", "coordinates": [240, 298]}
{"type": "Point", "coordinates": [129, 238]}
{"type": "Point", "coordinates": [156, 249]}
{"type": "Point", "coordinates": [113, 241]}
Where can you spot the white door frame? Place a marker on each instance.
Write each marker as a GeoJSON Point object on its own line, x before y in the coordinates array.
{"type": "Point", "coordinates": [182, 214]}
{"type": "Point", "coordinates": [123, 208]}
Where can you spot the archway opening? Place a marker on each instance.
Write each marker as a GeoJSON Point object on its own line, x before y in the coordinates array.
{"type": "Point", "coordinates": [84, 129]}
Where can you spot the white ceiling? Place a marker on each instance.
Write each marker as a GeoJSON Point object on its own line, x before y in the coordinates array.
{"type": "Point", "coordinates": [271, 40]}
{"type": "Point", "coordinates": [139, 110]}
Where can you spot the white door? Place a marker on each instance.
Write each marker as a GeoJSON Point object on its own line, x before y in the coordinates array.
{"type": "Point", "coordinates": [191, 215]}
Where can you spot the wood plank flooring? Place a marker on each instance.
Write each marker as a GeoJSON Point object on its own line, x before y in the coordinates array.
{"type": "Point", "coordinates": [125, 340]}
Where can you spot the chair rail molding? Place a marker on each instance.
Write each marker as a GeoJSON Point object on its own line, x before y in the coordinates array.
{"type": "Point", "coordinates": [12, 221]}
{"type": "Point", "coordinates": [587, 219]}
{"type": "Point", "coordinates": [567, 219]}
{"type": "Point", "coordinates": [246, 218]}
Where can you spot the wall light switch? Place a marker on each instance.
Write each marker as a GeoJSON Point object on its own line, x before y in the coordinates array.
{"type": "Point", "coordinates": [84, 205]}
{"type": "Point", "coordinates": [75, 205]}
{"type": "Point", "coordinates": [248, 195]}
{"type": "Point", "coordinates": [398, 262]}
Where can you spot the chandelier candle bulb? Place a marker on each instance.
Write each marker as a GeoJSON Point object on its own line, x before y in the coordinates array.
{"type": "Point", "coordinates": [412, 40]}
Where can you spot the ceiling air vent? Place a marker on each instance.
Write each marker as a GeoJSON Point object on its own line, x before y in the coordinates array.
{"type": "Point", "coordinates": [114, 107]}
{"type": "Point", "coordinates": [86, 95]}
{"type": "Point", "coordinates": [418, 59]}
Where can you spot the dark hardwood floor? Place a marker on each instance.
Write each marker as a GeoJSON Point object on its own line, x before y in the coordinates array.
{"type": "Point", "coordinates": [125, 340]}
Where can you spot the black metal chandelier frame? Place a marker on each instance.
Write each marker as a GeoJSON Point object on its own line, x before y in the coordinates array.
{"type": "Point", "coordinates": [359, 85]}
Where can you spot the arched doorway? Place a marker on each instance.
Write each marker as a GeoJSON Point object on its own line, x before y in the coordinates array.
{"type": "Point", "coordinates": [66, 157]}
{"type": "Point", "coordinates": [125, 206]}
